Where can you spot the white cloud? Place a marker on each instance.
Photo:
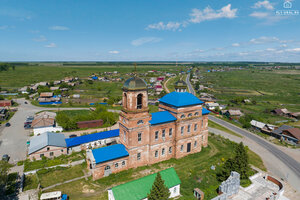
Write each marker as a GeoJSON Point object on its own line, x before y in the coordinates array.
{"type": "Point", "coordinates": [260, 15]}
{"type": "Point", "coordinates": [168, 26]}
{"type": "Point", "coordinates": [263, 39]}
{"type": "Point", "coordinates": [41, 38]}
{"type": "Point", "coordinates": [198, 16]}
{"type": "Point", "coordinates": [59, 28]}
{"type": "Point", "coordinates": [263, 4]}
{"type": "Point", "coordinates": [144, 40]}
{"type": "Point", "coordinates": [235, 45]}
{"type": "Point", "coordinates": [283, 45]}
{"type": "Point", "coordinates": [295, 50]}
{"type": "Point", "coordinates": [114, 52]}
{"type": "Point", "coordinates": [51, 45]}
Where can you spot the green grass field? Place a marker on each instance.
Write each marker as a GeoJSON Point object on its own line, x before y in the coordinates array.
{"type": "Point", "coordinates": [269, 89]}
{"type": "Point", "coordinates": [29, 74]}
{"type": "Point", "coordinates": [193, 171]}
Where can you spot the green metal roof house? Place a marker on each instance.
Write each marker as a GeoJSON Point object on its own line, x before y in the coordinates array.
{"type": "Point", "coordinates": [139, 188]}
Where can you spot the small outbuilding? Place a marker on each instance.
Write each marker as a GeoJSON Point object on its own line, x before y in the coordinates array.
{"type": "Point", "coordinates": [139, 188]}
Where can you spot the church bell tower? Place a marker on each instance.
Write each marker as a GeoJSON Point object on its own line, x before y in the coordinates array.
{"type": "Point", "coordinates": [134, 121]}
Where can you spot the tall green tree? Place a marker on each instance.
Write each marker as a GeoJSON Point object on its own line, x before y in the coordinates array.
{"type": "Point", "coordinates": [159, 190]}
{"type": "Point", "coordinates": [242, 161]}
{"type": "Point", "coordinates": [239, 163]}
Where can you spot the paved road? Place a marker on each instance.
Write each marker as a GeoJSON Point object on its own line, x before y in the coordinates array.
{"type": "Point", "coordinates": [191, 89]}
{"type": "Point", "coordinates": [290, 162]}
{"type": "Point", "coordinates": [13, 139]}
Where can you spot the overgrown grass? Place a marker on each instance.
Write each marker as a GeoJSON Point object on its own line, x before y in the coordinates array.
{"type": "Point", "coordinates": [269, 89]}
{"type": "Point", "coordinates": [52, 176]}
{"type": "Point", "coordinates": [31, 182]}
{"type": "Point", "coordinates": [193, 171]}
{"type": "Point", "coordinates": [47, 162]}
{"type": "Point", "coordinates": [222, 128]}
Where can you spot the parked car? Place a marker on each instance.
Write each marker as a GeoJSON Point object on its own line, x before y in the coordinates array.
{"type": "Point", "coordinates": [29, 118]}
{"type": "Point", "coordinates": [26, 126]}
{"type": "Point", "coordinates": [5, 157]}
{"type": "Point", "coordinates": [72, 136]}
{"type": "Point", "coordinates": [7, 124]}
{"type": "Point", "coordinates": [25, 102]}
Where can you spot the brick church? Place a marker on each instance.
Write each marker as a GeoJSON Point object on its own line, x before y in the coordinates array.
{"type": "Point", "coordinates": [177, 130]}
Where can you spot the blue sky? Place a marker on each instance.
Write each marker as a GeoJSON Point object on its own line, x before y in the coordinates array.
{"type": "Point", "coordinates": [149, 30]}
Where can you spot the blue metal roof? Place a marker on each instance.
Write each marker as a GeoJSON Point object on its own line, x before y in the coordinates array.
{"type": "Point", "coordinates": [91, 137]}
{"type": "Point", "coordinates": [109, 153]}
{"type": "Point", "coordinates": [180, 99]}
{"type": "Point", "coordinates": [205, 111]}
{"type": "Point", "coordinates": [161, 117]}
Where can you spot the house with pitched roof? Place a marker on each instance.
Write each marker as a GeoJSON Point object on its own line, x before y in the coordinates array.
{"type": "Point", "coordinates": [178, 129]}
{"type": "Point", "coordinates": [45, 122]}
{"type": "Point", "coordinates": [47, 144]}
{"type": "Point", "coordinates": [140, 188]}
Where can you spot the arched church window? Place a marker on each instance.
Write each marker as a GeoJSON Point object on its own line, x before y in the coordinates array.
{"type": "Point", "coordinates": [182, 116]}
{"type": "Point", "coordinates": [125, 100]}
{"type": "Point", "coordinates": [140, 122]}
{"type": "Point", "coordinates": [196, 113]}
{"type": "Point", "coordinates": [140, 101]}
{"type": "Point", "coordinates": [107, 167]}
{"type": "Point", "coordinates": [190, 115]}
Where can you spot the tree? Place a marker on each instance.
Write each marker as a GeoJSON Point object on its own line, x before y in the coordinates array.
{"type": "Point", "coordinates": [242, 161]}
{"type": "Point", "coordinates": [240, 164]}
{"type": "Point", "coordinates": [159, 190]}
{"type": "Point", "coordinates": [4, 168]}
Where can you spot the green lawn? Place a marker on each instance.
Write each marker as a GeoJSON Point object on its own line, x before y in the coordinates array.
{"type": "Point", "coordinates": [222, 128]}
{"type": "Point", "coordinates": [193, 171]}
{"type": "Point", "coordinates": [47, 162]}
{"type": "Point", "coordinates": [60, 174]}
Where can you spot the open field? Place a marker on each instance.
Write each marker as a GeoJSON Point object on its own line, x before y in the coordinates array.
{"type": "Point", "coordinates": [28, 74]}
{"type": "Point", "coordinates": [196, 174]}
{"type": "Point", "coordinates": [267, 89]}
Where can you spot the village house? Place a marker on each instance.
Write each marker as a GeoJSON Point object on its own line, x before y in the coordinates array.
{"type": "Point", "coordinates": [281, 111]}
{"type": "Point", "coordinates": [265, 128]}
{"type": "Point", "coordinates": [54, 88]}
{"type": "Point", "coordinates": [47, 144]}
{"type": "Point", "coordinates": [5, 103]}
{"type": "Point", "coordinates": [278, 132]}
{"type": "Point", "coordinates": [45, 122]}
{"type": "Point", "coordinates": [140, 188]}
{"type": "Point", "coordinates": [233, 113]}
{"type": "Point", "coordinates": [295, 115]}
{"type": "Point", "coordinates": [291, 135]}
{"type": "Point", "coordinates": [178, 129]}
{"type": "Point", "coordinates": [94, 140]}
{"type": "Point", "coordinates": [212, 106]}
